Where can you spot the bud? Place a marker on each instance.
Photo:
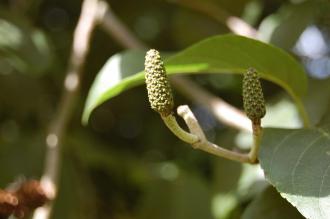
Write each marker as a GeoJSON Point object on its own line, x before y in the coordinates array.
{"type": "Point", "coordinates": [253, 98]}
{"type": "Point", "coordinates": [158, 86]}
{"type": "Point", "coordinates": [8, 203]}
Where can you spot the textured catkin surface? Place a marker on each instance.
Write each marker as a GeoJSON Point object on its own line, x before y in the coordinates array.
{"type": "Point", "coordinates": [253, 98]}
{"type": "Point", "coordinates": [159, 89]}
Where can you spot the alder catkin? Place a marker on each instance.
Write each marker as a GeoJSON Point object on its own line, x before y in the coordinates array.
{"type": "Point", "coordinates": [253, 98]}
{"type": "Point", "coordinates": [158, 86]}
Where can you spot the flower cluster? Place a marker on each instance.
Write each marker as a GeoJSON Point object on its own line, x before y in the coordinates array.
{"type": "Point", "coordinates": [253, 98]}
{"type": "Point", "coordinates": [159, 89]}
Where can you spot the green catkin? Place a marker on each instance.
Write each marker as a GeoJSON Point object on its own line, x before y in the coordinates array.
{"type": "Point", "coordinates": [158, 86]}
{"type": "Point", "coordinates": [253, 98]}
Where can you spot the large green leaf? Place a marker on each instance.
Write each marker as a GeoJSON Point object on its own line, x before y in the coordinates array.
{"type": "Point", "coordinates": [297, 163]}
{"type": "Point", "coordinates": [219, 54]}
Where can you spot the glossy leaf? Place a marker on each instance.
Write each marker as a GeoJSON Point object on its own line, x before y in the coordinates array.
{"type": "Point", "coordinates": [219, 54]}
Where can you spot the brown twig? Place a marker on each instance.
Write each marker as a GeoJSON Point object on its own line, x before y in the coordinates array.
{"type": "Point", "coordinates": [223, 111]}
{"type": "Point", "coordinates": [117, 29]}
{"type": "Point", "coordinates": [203, 144]}
{"type": "Point", "coordinates": [58, 126]}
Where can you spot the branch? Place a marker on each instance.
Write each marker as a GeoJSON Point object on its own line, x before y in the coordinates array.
{"type": "Point", "coordinates": [58, 125]}
{"type": "Point", "coordinates": [117, 29]}
{"type": "Point", "coordinates": [223, 111]}
{"type": "Point", "coordinates": [209, 147]}
{"type": "Point", "coordinates": [161, 100]}
{"type": "Point", "coordinates": [235, 24]}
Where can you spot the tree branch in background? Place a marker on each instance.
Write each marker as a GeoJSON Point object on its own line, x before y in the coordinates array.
{"type": "Point", "coordinates": [117, 29]}
{"type": "Point", "coordinates": [209, 147]}
{"type": "Point", "coordinates": [58, 125]}
{"type": "Point", "coordinates": [235, 24]}
{"type": "Point", "coordinates": [223, 111]}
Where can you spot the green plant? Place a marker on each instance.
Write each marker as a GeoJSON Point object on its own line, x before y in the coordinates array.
{"type": "Point", "coordinates": [161, 100]}
{"type": "Point", "coordinates": [218, 54]}
{"type": "Point", "coordinates": [281, 150]}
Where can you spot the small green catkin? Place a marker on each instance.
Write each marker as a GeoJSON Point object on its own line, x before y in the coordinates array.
{"type": "Point", "coordinates": [253, 98]}
{"type": "Point", "coordinates": [158, 86]}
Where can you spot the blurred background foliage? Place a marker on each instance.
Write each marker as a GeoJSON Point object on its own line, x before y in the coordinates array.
{"type": "Point", "coordinates": [125, 163]}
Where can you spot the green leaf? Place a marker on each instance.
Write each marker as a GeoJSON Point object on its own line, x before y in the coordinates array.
{"type": "Point", "coordinates": [112, 79]}
{"type": "Point", "coordinates": [269, 204]}
{"type": "Point", "coordinates": [219, 54]}
{"type": "Point", "coordinates": [297, 163]}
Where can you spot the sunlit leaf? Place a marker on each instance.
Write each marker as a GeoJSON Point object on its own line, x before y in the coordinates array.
{"type": "Point", "coordinates": [219, 54]}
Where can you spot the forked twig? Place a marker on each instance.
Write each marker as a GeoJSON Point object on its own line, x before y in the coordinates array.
{"type": "Point", "coordinates": [161, 100]}
{"type": "Point", "coordinates": [203, 144]}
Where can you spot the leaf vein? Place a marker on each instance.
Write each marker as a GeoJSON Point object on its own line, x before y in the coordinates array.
{"type": "Point", "coordinates": [277, 147]}
{"type": "Point", "coordinates": [321, 186]}
{"type": "Point", "coordinates": [293, 173]}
